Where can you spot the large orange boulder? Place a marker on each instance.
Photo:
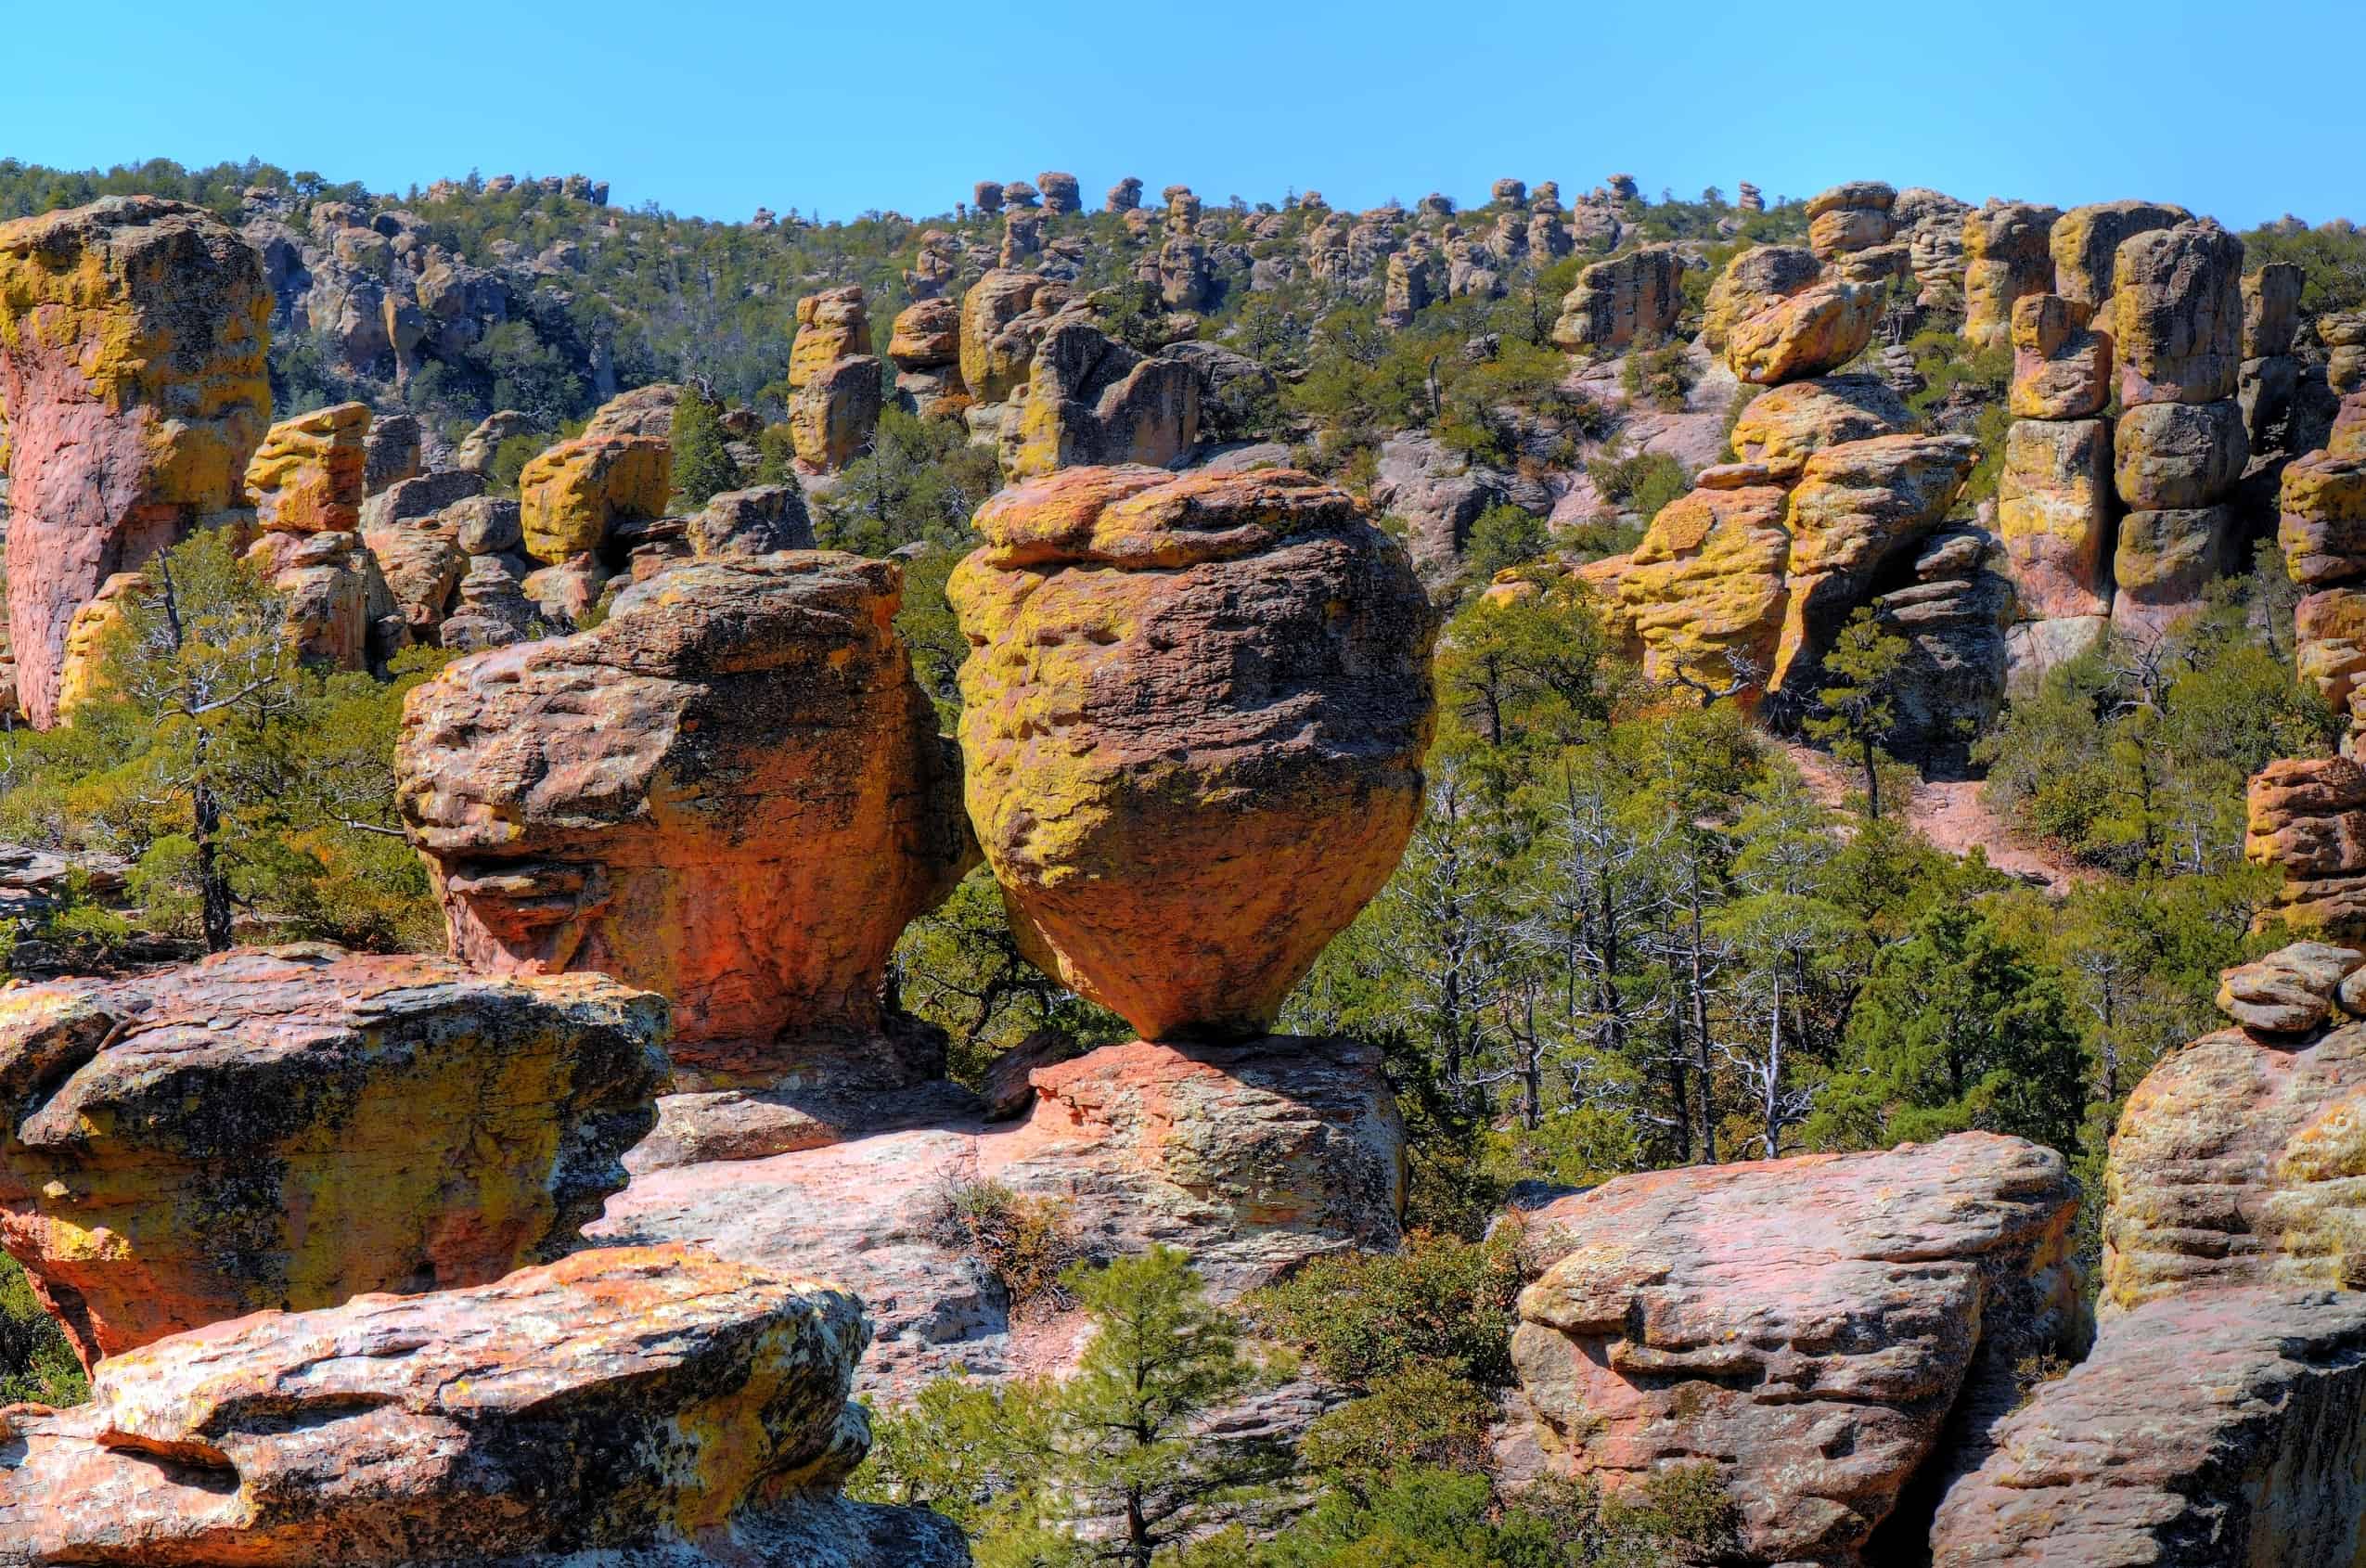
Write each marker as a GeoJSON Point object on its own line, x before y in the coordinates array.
{"type": "Point", "coordinates": [1810, 1326]}
{"type": "Point", "coordinates": [2060, 368]}
{"type": "Point", "coordinates": [287, 1127]}
{"type": "Point", "coordinates": [1703, 595]}
{"type": "Point", "coordinates": [1785, 426]}
{"type": "Point", "coordinates": [2085, 245]}
{"type": "Point", "coordinates": [311, 474]}
{"type": "Point", "coordinates": [731, 792]}
{"type": "Point", "coordinates": [2177, 314]}
{"type": "Point", "coordinates": [2005, 257]}
{"type": "Point", "coordinates": [832, 325]}
{"type": "Point", "coordinates": [1818, 329]}
{"type": "Point", "coordinates": [1194, 716]}
{"type": "Point", "coordinates": [642, 1404]}
{"type": "Point", "coordinates": [132, 334]}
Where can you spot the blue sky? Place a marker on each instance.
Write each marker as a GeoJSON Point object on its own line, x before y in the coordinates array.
{"type": "Point", "coordinates": [716, 107]}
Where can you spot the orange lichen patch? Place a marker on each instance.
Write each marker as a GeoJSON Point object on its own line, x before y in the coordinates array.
{"type": "Point", "coordinates": [286, 1127]}
{"type": "Point", "coordinates": [1194, 716]}
{"type": "Point", "coordinates": [308, 476]}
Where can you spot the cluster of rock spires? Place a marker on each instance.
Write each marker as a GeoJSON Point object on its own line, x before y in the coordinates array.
{"type": "Point", "coordinates": [674, 851]}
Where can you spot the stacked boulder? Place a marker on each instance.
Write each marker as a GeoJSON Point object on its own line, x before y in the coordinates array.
{"type": "Point", "coordinates": [2054, 489]}
{"type": "Point", "coordinates": [2216, 1422]}
{"type": "Point", "coordinates": [267, 1137]}
{"type": "Point", "coordinates": [731, 792]}
{"type": "Point", "coordinates": [925, 348]}
{"type": "Point", "coordinates": [2006, 256]}
{"type": "Point", "coordinates": [133, 379]}
{"type": "Point", "coordinates": [1183, 270]}
{"type": "Point", "coordinates": [1631, 300]}
{"type": "Point", "coordinates": [307, 484]}
{"type": "Point", "coordinates": [834, 380]}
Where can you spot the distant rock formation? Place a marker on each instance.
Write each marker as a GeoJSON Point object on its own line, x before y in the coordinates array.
{"type": "Point", "coordinates": [134, 385]}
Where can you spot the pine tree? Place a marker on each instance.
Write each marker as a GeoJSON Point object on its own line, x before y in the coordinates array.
{"type": "Point", "coordinates": [703, 468]}
{"type": "Point", "coordinates": [1861, 673]}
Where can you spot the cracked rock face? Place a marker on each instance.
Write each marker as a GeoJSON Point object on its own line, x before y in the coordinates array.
{"type": "Point", "coordinates": [1195, 711]}
{"type": "Point", "coordinates": [658, 1400]}
{"type": "Point", "coordinates": [731, 792]}
{"type": "Point", "coordinates": [1817, 1325]}
{"type": "Point", "coordinates": [287, 1127]}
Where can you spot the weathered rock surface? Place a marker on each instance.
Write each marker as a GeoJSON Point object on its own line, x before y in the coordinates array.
{"type": "Point", "coordinates": [1815, 1326]}
{"type": "Point", "coordinates": [2061, 369]}
{"type": "Point", "coordinates": [1628, 299]}
{"type": "Point", "coordinates": [1819, 328]}
{"type": "Point", "coordinates": [2177, 314]}
{"type": "Point", "coordinates": [644, 411]}
{"type": "Point", "coordinates": [2215, 1430]}
{"type": "Point", "coordinates": [1760, 277]}
{"type": "Point", "coordinates": [2322, 526]}
{"type": "Point", "coordinates": [755, 521]}
{"type": "Point", "coordinates": [2054, 514]}
{"type": "Point", "coordinates": [655, 1402]}
{"type": "Point", "coordinates": [2236, 1160]}
{"type": "Point", "coordinates": [1704, 593]}
{"type": "Point", "coordinates": [1090, 400]}
{"type": "Point", "coordinates": [286, 1127]}
{"type": "Point", "coordinates": [1171, 679]}
{"type": "Point", "coordinates": [391, 452]}
{"type": "Point", "coordinates": [832, 416]}
{"type": "Point", "coordinates": [2164, 560]}
{"type": "Point", "coordinates": [477, 450]}
{"type": "Point", "coordinates": [571, 494]}
{"type": "Point", "coordinates": [1785, 426]}
{"type": "Point", "coordinates": [2307, 815]}
{"type": "Point", "coordinates": [133, 335]}
{"type": "Point", "coordinates": [1253, 1157]}
{"type": "Point", "coordinates": [310, 475]}
{"type": "Point", "coordinates": [2173, 454]}
{"type": "Point", "coordinates": [731, 792]}
{"type": "Point", "coordinates": [2005, 257]}
{"type": "Point", "coordinates": [2086, 240]}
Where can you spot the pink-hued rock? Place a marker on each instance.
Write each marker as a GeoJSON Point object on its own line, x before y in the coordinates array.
{"type": "Point", "coordinates": [2307, 816]}
{"type": "Point", "coordinates": [1252, 1157]}
{"type": "Point", "coordinates": [657, 1401]}
{"type": "Point", "coordinates": [1812, 1325]}
{"type": "Point", "coordinates": [2219, 1429]}
{"type": "Point", "coordinates": [132, 334]}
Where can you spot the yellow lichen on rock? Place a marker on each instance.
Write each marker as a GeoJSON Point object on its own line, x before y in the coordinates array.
{"type": "Point", "coordinates": [1704, 592]}
{"type": "Point", "coordinates": [308, 476]}
{"type": "Point", "coordinates": [82, 677]}
{"type": "Point", "coordinates": [1194, 716]}
{"type": "Point", "coordinates": [570, 495]}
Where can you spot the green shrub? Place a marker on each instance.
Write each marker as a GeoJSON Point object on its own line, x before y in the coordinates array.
{"type": "Point", "coordinates": [1441, 1303]}
{"type": "Point", "coordinates": [36, 1364]}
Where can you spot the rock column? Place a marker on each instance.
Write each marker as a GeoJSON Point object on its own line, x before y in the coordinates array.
{"type": "Point", "coordinates": [834, 380]}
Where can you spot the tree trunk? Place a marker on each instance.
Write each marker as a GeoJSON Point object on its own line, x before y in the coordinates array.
{"type": "Point", "coordinates": [214, 885]}
{"type": "Point", "coordinates": [1872, 784]}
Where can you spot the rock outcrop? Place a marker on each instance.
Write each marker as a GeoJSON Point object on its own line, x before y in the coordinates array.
{"type": "Point", "coordinates": [1816, 1327]}
{"type": "Point", "coordinates": [835, 381]}
{"type": "Point", "coordinates": [731, 792]}
{"type": "Point", "coordinates": [311, 474]}
{"type": "Point", "coordinates": [2235, 1161]}
{"type": "Point", "coordinates": [287, 1127]}
{"type": "Point", "coordinates": [1631, 298]}
{"type": "Point", "coordinates": [2307, 816]}
{"type": "Point", "coordinates": [2006, 256]}
{"type": "Point", "coordinates": [1091, 401]}
{"type": "Point", "coordinates": [570, 496]}
{"type": "Point", "coordinates": [925, 348]}
{"type": "Point", "coordinates": [2215, 1430]}
{"type": "Point", "coordinates": [133, 335]}
{"type": "Point", "coordinates": [1172, 677]}
{"type": "Point", "coordinates": [642, 1405]}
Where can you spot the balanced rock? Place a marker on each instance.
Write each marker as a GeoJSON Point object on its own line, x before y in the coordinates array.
{"type": "Point", "coordinates": [2177, 314]}
{"type": "Point", "coordinates": [421, 564]}
{"type": "Point", "coordinates": [1060, 192]}
{"type": "Point", "coordinates": [832, 325]}
{"type": "Point", "coordinates": [1811, 1325]}
{"type": "Point", "coordinates": [1851, 217]}
{"type": "Point", "coordinates": [287, 1127]}
{"type": "Point", "coordinates": [731, 792]}
{"type": "Point", "coordinates": [311, 474]}
{"type": "Point", "coordinates": [756, 521]}
{"type": "Point", "coordinates": [1171, 678]}
{"type": "Point", "coordinates": [2005, 257]}
{"type": "Point", "coordinates": [1126, 196]}
{"type": "Point", "coordinates": [645, 411]}
{"type": "Point", "coordinates": [1819, 328]}
{"type": "Point", "coordinates": [1634, 297]}
{"type": "Point", "coordinates": [2164, 561]}
{"type": "Point", "coordinates": [2235, 1161]}
{"type": "Point", "coordinates": [572, 494]}
{"type": "Point", "coordinates": [832, 416]}
{"type": "Point", "coordinates": [1760, 277]}
{"type": "Point", "coordinates": [132, 373]}
{"type": "Point", "coordinates": [2215, 1430]}
{"type": "Point", "coordinates": [645, 1403]}
{"type": "Point", "coordinates": [2084, 244]}
{"type": "Point", "coordinates": [2169, 454]}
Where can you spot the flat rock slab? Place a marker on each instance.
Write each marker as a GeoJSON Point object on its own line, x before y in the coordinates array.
{"type": "Point", "coordinates": [1814, 1324]}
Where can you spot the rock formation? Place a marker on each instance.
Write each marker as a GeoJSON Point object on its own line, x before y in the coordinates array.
{"type": "Point", "coordinates": [1060, 192]}
{"type": "Point", "coordinates": [572, 495]}
{"type": "Point", "coordinates": [132, 334]}
{"type": "Point", "coordinates": [731, 792]}
{"type": "Point", "coordinates": [2006, 256]}
{"type": "Point", "coordinates": [1634, 297]}
{"type": "Point", "coordinates": [653, 1401]}
{"type": "Point", "coordinates": [925, 348]}
{"type": "Point", "coordinates": [392, 452]}
{"type": "Point", "coordinates": [1850, 218]}
{"type": "Point", "coordinates": [1815, 1326]}
{"type": "Point", "coordinates": [1240, 660]}
{"type": "Point", "coordinates": [290, 1126]}
{"type": "Point", "coordinates": [2308, 817]}
{"type": "Point", "coordinates": [1090, 400]}
{"type": "Point", "coordinates": [310, 474]}
{"type": "Point", "coordinates": [834, 380]}
{"type": "Point", "coordinates": [1760, 277]}
{"type": "Point", "coordinates": [2233, 1162]}
{"type": "Point", "coordinates": [2055, 494]}
{"type": "Point", "coordinates": [2215, 1430]}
